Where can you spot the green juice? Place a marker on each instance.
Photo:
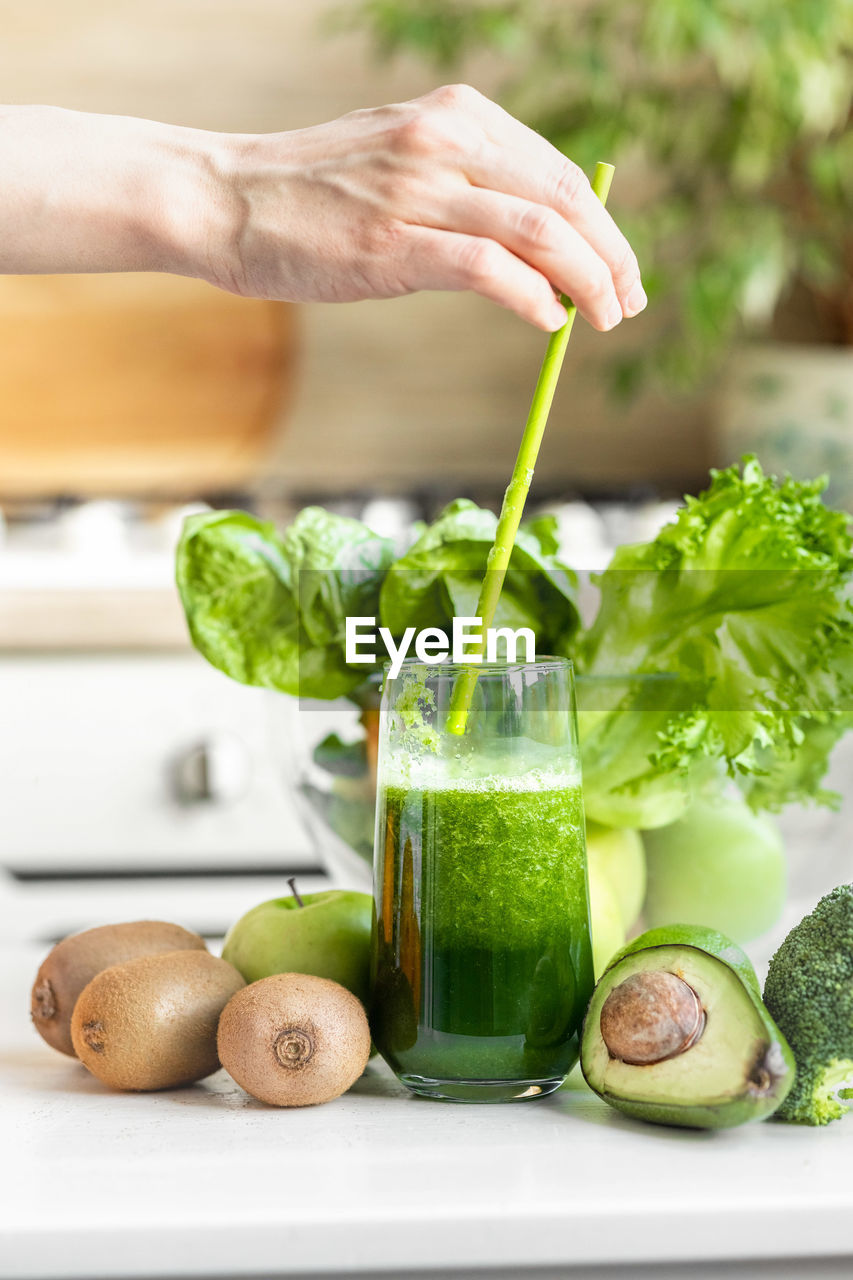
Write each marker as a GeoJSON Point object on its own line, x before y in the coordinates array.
{"type": "Point", "coordinates": [482, 956]}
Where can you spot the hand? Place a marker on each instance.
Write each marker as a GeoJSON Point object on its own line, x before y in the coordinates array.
{"type": "Point", "coordinates": [444, 192]}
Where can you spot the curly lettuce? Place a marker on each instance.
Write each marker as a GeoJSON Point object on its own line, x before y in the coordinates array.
{"type": "Point", "coordinates": [744, 599]}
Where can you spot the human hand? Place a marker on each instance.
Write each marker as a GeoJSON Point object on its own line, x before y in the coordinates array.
{"type": "Point", "coordinates": [447, 191]}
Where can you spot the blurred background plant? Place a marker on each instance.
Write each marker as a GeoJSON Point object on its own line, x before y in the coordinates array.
{"type": "Point", "coordinates": [734, 117]}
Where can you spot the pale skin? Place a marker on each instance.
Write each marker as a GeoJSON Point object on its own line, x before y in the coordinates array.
{"type": "Point", "coordinates": [444, 192]}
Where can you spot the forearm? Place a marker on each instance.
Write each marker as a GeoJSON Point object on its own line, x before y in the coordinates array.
{"type": "Point", "coordinates": [87, 192]}
{"type": "Point", "coordinates": [444, 192]}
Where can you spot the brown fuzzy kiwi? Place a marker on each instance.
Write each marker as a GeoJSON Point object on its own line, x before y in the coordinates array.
{"type": "Point", "coordinates": [75, 960]}
{"type": "Point", "coordinates": [293, 1039]}
{"type": "Point", "coordinates": [151, 1023]}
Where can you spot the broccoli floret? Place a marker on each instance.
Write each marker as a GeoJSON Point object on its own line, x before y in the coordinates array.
{"type": "Point", "coordinates": [809, 993]}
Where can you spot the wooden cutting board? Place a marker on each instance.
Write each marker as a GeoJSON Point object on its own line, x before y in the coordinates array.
{"type": "Point", "coordinates": [137, 384]}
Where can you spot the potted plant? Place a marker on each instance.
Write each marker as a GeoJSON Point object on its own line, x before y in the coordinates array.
{"type": "Point", "coordinates": [731, 127]}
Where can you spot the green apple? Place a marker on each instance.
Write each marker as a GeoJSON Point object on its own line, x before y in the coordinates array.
{"type": "Point", "coordinates": [328, 936]}
{"type": "Point", "coordinates": [721, 866]}
{"type": "Point", "coordinates": [618, 853]}
{"type": "Point", "coordinates": [608, 931]}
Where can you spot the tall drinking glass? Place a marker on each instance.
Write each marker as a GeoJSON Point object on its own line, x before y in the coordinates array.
{"type": "Point", "coordinates": [482, 962]}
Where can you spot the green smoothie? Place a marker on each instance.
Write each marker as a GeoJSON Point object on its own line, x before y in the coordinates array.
{"type": "Point", "coordinates": [482, 957]}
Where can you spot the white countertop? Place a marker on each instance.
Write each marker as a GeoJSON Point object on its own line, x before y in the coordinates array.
{"type": "Point", "coordinates": [207, 1182]}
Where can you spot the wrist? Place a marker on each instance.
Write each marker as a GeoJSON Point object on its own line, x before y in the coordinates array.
{"type": "Point", "coordinates": [87, 192]}
{"type": "Point", "coordinates": [196, 213]}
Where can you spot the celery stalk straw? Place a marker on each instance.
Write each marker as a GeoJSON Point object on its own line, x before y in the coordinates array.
{"type": "Point", "coordinates": [515, 497]}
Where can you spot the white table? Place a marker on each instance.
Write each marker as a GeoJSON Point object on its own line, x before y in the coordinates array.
{"type": "Point", "coordinates": [207, 1182]}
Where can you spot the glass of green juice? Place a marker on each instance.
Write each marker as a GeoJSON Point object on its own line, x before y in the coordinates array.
{"type": "Point", "coordinates": [481, 957]}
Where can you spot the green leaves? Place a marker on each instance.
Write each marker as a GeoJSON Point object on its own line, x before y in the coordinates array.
{"type": "Point", "coordinates": [736, 114]}
{"type": "Point", "coordinates": [435, 28]}
{"type": "Point", "coordinates": [271, 610]}
{"type": "Point", "coordinates": [440, 577]}
{"type": "Point", "coordinates": [727, 638]}
{"type": "Point", "coordinates": [745, 597]}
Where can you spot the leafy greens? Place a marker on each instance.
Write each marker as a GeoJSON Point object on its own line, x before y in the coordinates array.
{"type": "Point", "coordinates": [745, 597]}
{"type": "Point", "coordinates": [440, 576]}
{"type": "Point", "coordinates": [270, 609]}
{"type": "Point", "coordinates": [727, 639]}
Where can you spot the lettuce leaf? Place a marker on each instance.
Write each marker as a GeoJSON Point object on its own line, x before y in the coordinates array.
{"type": "Point", "coordinates": [271, 609]}
{"type": "Point", "coordinates": [745, 598]}
{"type": "Point", "coordinates": [620, 720]}
{"type": "Point", "coordinates": [727, 638]}
{"type": "Point", "coordinates": [797, 777]}
{"type": "Point", "coordinates": [441, 575]}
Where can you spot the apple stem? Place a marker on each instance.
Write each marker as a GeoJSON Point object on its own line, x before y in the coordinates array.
{"type": "Point", "coordinates": [295, 891]}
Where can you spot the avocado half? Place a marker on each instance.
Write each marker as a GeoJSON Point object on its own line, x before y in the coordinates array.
{"type": "Point", "coordinates": [676, 1033]}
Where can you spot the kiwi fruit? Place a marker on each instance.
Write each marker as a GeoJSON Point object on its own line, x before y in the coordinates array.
{"type": "Point", "coordinates": [74, 962]}
{"type": "Point", "coordinates": [293, 1039]}
{"type": "Point", "coordinates": [150, 1023]}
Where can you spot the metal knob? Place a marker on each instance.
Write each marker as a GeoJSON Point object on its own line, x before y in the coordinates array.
{"type": "Point", "coordinates": [216, 770]}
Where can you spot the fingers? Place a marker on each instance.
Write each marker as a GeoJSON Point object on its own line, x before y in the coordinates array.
{"type": "Point", "coordinates": [540, 174]}
{"type": "Point", "coordinates": [513, 160]}
{"type": "Point", "coordinates": [436, 259]}
{"type": "Point", "coordinates": [539, 236]}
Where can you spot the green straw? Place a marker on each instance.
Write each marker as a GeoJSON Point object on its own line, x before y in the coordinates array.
{"type": "Point", "coordinates": [517, 489]}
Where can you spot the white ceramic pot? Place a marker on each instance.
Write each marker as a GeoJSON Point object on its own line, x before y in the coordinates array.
{"type": "Point", "coordinates": [791, 405]}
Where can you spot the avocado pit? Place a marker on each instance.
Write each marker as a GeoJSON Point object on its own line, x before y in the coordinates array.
{"type": "Point", "coordinates": [650, 1017]}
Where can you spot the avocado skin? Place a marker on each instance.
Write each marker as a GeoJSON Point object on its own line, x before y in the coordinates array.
{"type": "Point", "coordinates": [701, 939]}
{"type": "Point", "coordinates": [729, 1112]}
{"type": "Point", "coordinates": [726, 1115]}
